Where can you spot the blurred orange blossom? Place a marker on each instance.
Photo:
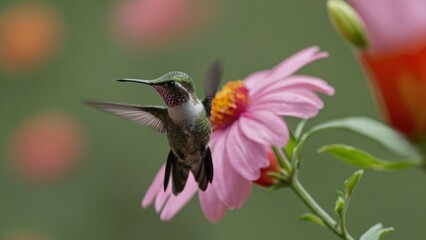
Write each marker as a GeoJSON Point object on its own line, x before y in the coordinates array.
{"type": "Point", "coordinates": [30, 33]}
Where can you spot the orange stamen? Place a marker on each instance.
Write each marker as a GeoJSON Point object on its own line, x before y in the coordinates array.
{"type": "Point", "coordinates": [228, 104]}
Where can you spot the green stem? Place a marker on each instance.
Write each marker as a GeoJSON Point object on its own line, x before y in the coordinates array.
{"type": "Point", "coordinates": [343, 218]}
{"type": "Point", "coordinates": [282, 160]}
{"type": "Point", "coordinates": [316, 209]}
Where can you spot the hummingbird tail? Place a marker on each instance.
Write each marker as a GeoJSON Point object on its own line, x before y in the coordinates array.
{"type": "Point", "coordinates": [180, 173]}
{"type": "Point", "coordinates": [203, 171]}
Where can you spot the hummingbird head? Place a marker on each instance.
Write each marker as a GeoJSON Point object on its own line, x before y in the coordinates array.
{"type": "Point", "coordinates": [175, 88]}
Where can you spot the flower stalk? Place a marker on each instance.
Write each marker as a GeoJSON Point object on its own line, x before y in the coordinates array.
{"type": "Point", "coordinates": [310, 202]}
{"type": "Point", "coordinates": [293, 182]}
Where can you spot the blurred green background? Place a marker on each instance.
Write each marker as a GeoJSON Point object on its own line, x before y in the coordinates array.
{"type": "Point", "coordinates": [100, 197]}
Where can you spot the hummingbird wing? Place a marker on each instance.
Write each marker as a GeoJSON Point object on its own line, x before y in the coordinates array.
{"type": "Point", "coordinates": [152, 116]}
{"type": "Point", "coordinates": [211, 84]}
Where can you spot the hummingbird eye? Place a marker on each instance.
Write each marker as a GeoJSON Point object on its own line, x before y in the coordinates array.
{"type": "Point", "coordinates": [171, 84]}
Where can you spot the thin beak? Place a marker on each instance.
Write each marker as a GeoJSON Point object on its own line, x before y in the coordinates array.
{"type": "Point", "coordinates": [149, 82]}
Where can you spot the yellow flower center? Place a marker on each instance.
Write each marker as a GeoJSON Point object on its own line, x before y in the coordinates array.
{"type": "Point", "coordinates": [228, 104]}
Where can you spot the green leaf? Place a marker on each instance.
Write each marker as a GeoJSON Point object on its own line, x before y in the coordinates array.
{"type": "Point", "coordinates": [362, 159]}
{"type": "Point", "coordinates": [352, 181]}
{"type": "Point", "coordinates": [288, 149]}
{"type": "Point", "coordinates": [340, 193]}
{"type": "Point", "coordinates": [299, 129]}
{"type": "Point", "coordinates": [277, 186]}
{"type": "Point", "coordinates": [376, 232]}
{"type": "Point", "coordinates": [283, 162]}
{"type": "Point", "coordinates": [372, 129]}
{"type": "Point", "coordinates": [312, 218]}
{"type": "Point", "coordinates": [339, 206]}
{"type": "Point", "coordinates": [278, 176]}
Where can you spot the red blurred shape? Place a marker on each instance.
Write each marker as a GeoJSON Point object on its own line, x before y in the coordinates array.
{"type": "Point", "coordinates": [30, 33]}
{"type": "Point", "coordinates": [265, 179]}
{"type": "Point", "coordinates": [399, 78]}
{"type": "Point", "coordinates": [47, 146]}
{"type": "Point", "coordinates": [157, 23]}
{"type": "Point", "coordinates": [396, 60]}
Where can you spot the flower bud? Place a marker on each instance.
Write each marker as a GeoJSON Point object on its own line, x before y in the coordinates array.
{"type": "Point", "coordinates": [265, 179]}
{"type": "Point", "coordinates": [348, 23]}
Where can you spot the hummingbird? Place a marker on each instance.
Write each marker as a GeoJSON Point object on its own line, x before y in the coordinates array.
{"type": "Point", "coordinates": [185, 120]}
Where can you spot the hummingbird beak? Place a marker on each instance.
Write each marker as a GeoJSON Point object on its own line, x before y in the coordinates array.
{"type": "Point", "coordinates": [149, 82]}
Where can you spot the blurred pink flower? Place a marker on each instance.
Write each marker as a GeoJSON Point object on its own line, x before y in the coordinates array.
{"type": "Point", "coordinates": [46, 147]}
{"type": "Point", "coordinates": [392, 23]}
{"type": "Point", "coordinates": [156, 23]}
{"type": "Point", "coordinates": [396, 60]}
{"type": "Point", "coordinates": [247, 120]}
{"type": "Point", "coordinates": [30, 33]}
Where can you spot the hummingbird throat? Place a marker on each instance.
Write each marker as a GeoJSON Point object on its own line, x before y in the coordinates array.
{"type": "Point", "coordinates": [172, 98]}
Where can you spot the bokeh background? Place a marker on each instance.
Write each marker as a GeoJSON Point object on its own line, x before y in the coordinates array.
{"type": "Point", "coordinates": [71, 172]}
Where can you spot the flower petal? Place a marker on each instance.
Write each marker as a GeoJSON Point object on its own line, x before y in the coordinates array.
{"type": "Point", "coordinates": [292, 103]}
{"type": "Point", "coordinates": [314, 98]}
{"type": "Point", "coordinates": [175, 203]}
{"type": "Point", "coordinates": [264, 127]}
{"type": "Point", "coordinates": [156, 186]}
{"type": "Point", "coordinates": [297, 82]}
{"type": "Point", "coordinates": [392, 23]}
{"type": "Point", "coordinates": [288, 67]}
{"type": "Point", "coordinates": [244, 156]}
{"type": "Point", "coordinates": [296, 61]}
{"type": "Point", "coordinates": [282, 97]}
{"type": "Point", "coordinates": [214, 137]}
{"type": "Point", "coordinates": [230, 187]}
{"type": "Point", "coordinates": [213, 208]}
{"type": "Point", "coordinates": [162, 197]}
{"type": "Point", "coordinates": [253, 78]}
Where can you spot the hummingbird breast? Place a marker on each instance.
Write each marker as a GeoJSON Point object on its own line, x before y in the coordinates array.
{"type": "Point", "coordinates": [186, 113]}
{"type": "Point", "coordinates": [189, 137]}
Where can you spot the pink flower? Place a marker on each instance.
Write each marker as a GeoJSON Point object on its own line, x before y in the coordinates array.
{"type": "Point", "coordinates": [247, 120]}
{"type": "Point", "coordinates": [157, 23]}
{"type": "Point", "coordinates": [396, 60]}
{"type": "Point", "coordinates": [47, 147]}
{"type": "Point", "coordinates": [392, 23]}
